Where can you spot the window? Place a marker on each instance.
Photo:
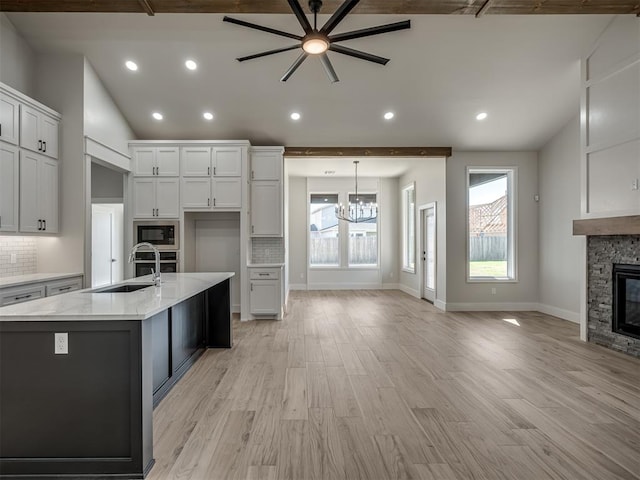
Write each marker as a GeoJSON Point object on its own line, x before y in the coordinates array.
{"type": "Point", "coordinates": [363, 236]}
{"type": "Point", "coordinates": [491, 224]}
{"type": "Point", "coordinates": [324, 245]}
{"type": "Point", "coordinates": [409, 228]}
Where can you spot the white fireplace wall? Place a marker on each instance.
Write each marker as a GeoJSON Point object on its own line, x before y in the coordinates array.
{"type": "Point", "coordinates": [611, 121]}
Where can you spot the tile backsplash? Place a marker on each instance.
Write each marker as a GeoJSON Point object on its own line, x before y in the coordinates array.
{"type": "Point", "coordinates": [23, 252]}
{"type": "Point", "coordinates": [267, 250]}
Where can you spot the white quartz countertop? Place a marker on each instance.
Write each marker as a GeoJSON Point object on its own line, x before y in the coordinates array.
{"type": "Point", "coordinates": [18, 280]}
{"type": "Point", "coordinates": [265, 265]}
{"type": "Point", "coordinates": [87, 305]}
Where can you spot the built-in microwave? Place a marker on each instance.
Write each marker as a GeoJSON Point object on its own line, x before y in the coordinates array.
{"type": "Point", "coordinates": [163, 234]}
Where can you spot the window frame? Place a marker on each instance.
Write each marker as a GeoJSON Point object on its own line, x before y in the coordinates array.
{"type": "Point", "coordinates": [340, 233]}
{"type": "Point", "coordinates": [512, 227]}
{"type": "Point", "coordinates": [406, 247]}
{"type": "Point", "coordinates": [368, 266]}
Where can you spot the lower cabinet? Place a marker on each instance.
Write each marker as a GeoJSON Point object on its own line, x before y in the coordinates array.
{"type": "Point", "coordinates": [265, 295]}
{"type": "Point", "coordinates": [33, 291]}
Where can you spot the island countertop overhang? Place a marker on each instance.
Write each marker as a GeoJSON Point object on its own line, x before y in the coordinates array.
{"type": "Point", "coordinates": [85, 305]}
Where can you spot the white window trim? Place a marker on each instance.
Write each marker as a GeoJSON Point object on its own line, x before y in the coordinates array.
{"type": "Point", "coordinates": [404, 212]}
{"type": "Point", "coordinates": [512, 232]}
{"type": "Point", "coordinates": [321, 267]}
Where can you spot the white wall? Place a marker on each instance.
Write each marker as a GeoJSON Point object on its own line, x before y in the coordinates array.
{"type": "Point", "coordinates": [429, 175]}
{"type": "Point", "coordinates": [107, 185]}
{"type": "Point", "coordinates": [297, 251]}
{"type": "Point", "coordinates": [560, 252]}
{"type": "Point", "coordinates": [522, 294]}
{"type": "Point", "coordinates": [60, 86]}
{"type": "Point", "coordinates": [102, 119]}
{"type": "Point", "coordinates": [17, 59]}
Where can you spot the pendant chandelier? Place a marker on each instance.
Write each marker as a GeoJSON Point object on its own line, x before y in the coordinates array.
{"type": "Point", "coordinates": [357, 210]}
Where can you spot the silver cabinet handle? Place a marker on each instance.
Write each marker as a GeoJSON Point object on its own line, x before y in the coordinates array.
{"type": "Point", "coordinates": [39, 224]}
{"type": "Point", "coordinates": [252, 287]}
{"type": "Point", "coordinates": [208, 170]}
{"type": "Point", "coordinates": [252, 174]}
{"type": "Point", "coordinates": [22, 297]}
{"type": "Point", "coordinates": [214, 201]}
{"type": "Point", "coordinates": [252, 228]}
{"type": "Point", "coordinates": [64, 289]}
{"type": "Point", "coordinates": [39, 145]}
{"type": "Point", "coordinates": [214, 170]}
{"type": "Point", "coordinates": [208, 202]}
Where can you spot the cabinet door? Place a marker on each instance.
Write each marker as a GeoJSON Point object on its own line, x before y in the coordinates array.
{"type": "Point", "coordinates": [227, 161]}
{"type": "Point", "coordinates": [29, 192]}
{"type": "Point", "coordinates": [9, 187]}
{"type": "Point", "coordinates": [48, 195]}
{"type": "Point", "coordinates": [29, 125]}
{"type": "Point", "coordinates": [168, 197]}
{"type": "Point", "coordinates": [24, 293]}
{"type": "Point", "coordinates": [266, 165]}
{"type": "Point", "coordinates": [264, 297]}
{"type": "Point", "coordinates": [9, 109]}
{"type": "Point", "coordinates": [49, 135]}
{"type": "Point", "coordinates": [227, 192]}
{"type": "Point", "coordinates": [144, 197]}
{"type": "Point", "coordinates": [168, 161]}
{"type": "Point", "coordinates": [144, 161]}
{"type": "Point", "coordinates": [266, 209]}
{"type": "Point", "coordinates": [196, 161]}
{"type": "Point", "coordinates": [196, 193]}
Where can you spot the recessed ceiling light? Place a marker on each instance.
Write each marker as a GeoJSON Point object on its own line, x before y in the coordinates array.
{"type": "Point", "coordinates": [295, 116]}
{"type": "Point", "coordinates": [191, 65]}
{"type": "Point", "coordinates": [481, 116]}
{"type": "Point", "coordinates": [157, 115]}
{"type": "Point", "coordinates": [208, 115]}
{"type": "Point", "coordinates": [133, 66]}
{"type": "Point", "coordinates": [389, 115]}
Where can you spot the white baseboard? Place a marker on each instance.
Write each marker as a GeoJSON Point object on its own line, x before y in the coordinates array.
{"type": "Point", "coordinates": [559, 312]}
{"type": "Point", "coordinates": [492, 307]}
{"type": "Point", "coordinates": [439, 304]}
{"type": "Point", "coordinates": [390, 286]}
{"type": "Point", "coordinates": [297, 286]}
{"type": "Point", "coordinates": [409, 291]}
{"type": "Point", "coordinates": [235, 308]}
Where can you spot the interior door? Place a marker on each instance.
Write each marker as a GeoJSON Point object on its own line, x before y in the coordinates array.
{"type": "Point", "coordinates": [101, 247]}
{"type": "Point", "coordinates": [429, 252]}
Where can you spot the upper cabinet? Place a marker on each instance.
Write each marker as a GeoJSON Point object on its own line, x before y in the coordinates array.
{"type": "Point", "coordinates": [266, 192]}
{"type": "Point", "coordinates": [29, 169]}
{"type": "Point", "coordinates": [9, 113]}
{"type": "Point", "coordinates": [156, 161]}
{"type": "Point", "coordinates": [196, 161]}
{"type": "Point", "coordinates": [227, 161]}
{"type": "Point", "coordinates": [38, 131]}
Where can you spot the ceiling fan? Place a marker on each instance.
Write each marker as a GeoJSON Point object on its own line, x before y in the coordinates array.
{"type": "Point", "coordinates": [317, 42]}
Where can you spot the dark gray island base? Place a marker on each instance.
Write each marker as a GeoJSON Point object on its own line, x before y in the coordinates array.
{"type": "Point", "coordinates": [89, 414]}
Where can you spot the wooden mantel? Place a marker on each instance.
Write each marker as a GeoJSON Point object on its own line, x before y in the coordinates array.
{"type": "Point", "coordinates": [628, 225]}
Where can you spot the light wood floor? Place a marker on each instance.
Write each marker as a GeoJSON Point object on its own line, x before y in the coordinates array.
{"type": "Point", "coordinates": [379, 385]}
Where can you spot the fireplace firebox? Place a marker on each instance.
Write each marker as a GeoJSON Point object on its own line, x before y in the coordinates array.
{"type": "Point", "coordinates": [626, 300]}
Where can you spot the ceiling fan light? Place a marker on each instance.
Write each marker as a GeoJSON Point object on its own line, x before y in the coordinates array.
{"type": "Point", "coordinates": [315, 45]}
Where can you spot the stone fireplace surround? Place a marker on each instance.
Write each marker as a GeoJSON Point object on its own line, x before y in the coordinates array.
{"type": "Point", "coordinates": [609, 240]}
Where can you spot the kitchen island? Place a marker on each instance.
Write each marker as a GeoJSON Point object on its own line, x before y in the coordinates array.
{"type": "Point", "coordinates": [81, 405]}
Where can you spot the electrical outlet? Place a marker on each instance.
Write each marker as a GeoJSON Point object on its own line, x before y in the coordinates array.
{"type": "Point", "coordinates": [493, 291]}
{"type": "Point", "coordinates": [14, 258]}
{"type": "Point", "coordinates": [61, 343]}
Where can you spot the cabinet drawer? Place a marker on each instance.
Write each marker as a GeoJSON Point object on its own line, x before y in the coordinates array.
{"type": "Point", "coordinates": [11, 296]}
{"type": "Point", "coordinates": [264, 273]}
{"type": "Point", "coordinates": [64, 286]}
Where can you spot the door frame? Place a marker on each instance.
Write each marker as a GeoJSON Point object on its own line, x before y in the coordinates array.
{"type": "Point", "coordinates": [422, 211]}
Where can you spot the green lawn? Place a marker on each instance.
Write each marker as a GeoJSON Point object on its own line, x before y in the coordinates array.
{"type": "Point", "coordinates": [488, 269]}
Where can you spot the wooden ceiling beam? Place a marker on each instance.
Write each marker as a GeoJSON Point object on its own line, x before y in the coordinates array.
{"type": "Point", "coordinates": [367, 151]}
{"type": "Point", "coordinates": [385, 7]}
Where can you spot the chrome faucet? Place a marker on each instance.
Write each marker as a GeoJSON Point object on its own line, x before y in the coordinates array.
{"type": "Point", "coordinates": [155, 273]}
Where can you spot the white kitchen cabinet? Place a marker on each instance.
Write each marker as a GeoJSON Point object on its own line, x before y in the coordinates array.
{"type": "Point", "coordinates": [23, 293]}
{"type": "Point", "coordinates": [38, 193]}
{"type": "Point", "coordinates": [266, 209]}
{"type": "Point", "coordinates": [196, 193]}
{"type": "Point", "coordinates": [156, 197]}
{"type": "Point", "coordinates": [265, 291]}
{"type": "Point", "coordinates": [266, 163]}
{"type": "Point", "coordinates": [195, 161]}
{"type": "Point", "coordinates": [9, 114]}
{"type": "Point", "coordinates": [9, 187]}
{"type": "Point", "coordinates": [227, 192]}
{"type": "Point", "coordinates": [38, 131]}
{"type": "Point", "coordinates": [156, 161]}
{"type": "Point", "coordinates": [227, 161]}
{"type": "Point", "coordinates": [66, 285]}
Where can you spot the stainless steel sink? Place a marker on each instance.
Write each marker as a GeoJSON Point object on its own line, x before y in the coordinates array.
{"type": "Point", "coordinates": [125, 288]}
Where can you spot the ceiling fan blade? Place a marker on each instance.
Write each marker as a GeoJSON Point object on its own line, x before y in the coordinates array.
{"type": "Point", "coordinates": [338, 15]}
{"type": "Point", "coordinates": [358, 54]}
{"type": "Point", "coordinates": [242, 23]}
{"type": "Point", "coordinates": [299, 13]}
{"type": "Point", "coordinates": [303, 56]}
{"type": "Point", "coordinates": [367, 32]}
{"type": "Point", "coordinates": [331, 73]}
{"type": "Point", "coordinates": [269, 52]}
